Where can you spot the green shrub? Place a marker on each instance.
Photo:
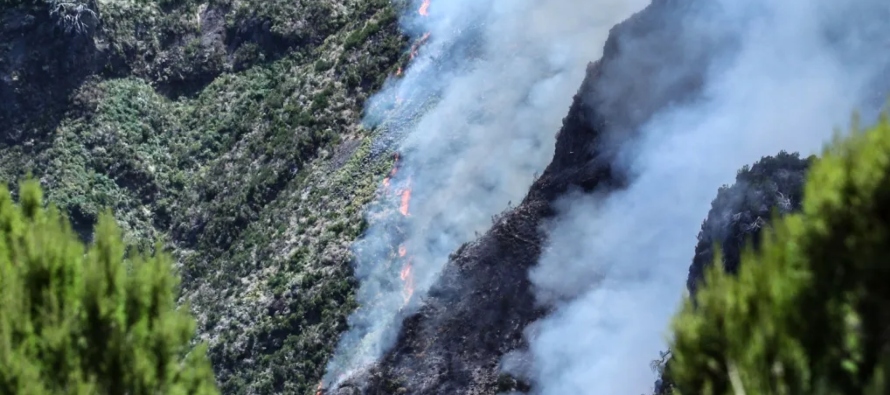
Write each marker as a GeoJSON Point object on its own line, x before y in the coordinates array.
{"type": "Point", "coordinates": [96, 320]}
{"type": "Point", "coordinates": [809, 313]}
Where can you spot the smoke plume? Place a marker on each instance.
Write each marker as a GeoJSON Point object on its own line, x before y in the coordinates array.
{"type": "Point", "coordinates": [787, 74]}
{"type": "Point", "coordinates": [473, 119]}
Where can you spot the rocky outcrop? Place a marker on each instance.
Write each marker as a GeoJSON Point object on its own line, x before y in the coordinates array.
{"type": "Point", "coordinates": [48, 49]}
{"type": "Point", "coordinates": [739, 213]}
{"type": "Point", "coordinates": [483, 302]}
{"type": "Point", "coordinates": [772, 186]}
{"type": "Point", "coordinates": [45, 54]}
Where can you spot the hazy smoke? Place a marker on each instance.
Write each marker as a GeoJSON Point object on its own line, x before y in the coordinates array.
{"type": "Point", "coordinates": [474, 118]}
{"type": "Point", "coordinates": [795, 70]}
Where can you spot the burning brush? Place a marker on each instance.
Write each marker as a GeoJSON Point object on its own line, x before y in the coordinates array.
{"type": "Point", "coordinates": [404, 208]}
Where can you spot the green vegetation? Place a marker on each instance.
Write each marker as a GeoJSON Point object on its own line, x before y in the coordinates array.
{"type": "Point", "coordinates": [88, 321]}
{"type": "Point", "coordinates": [230, 130]}
{"type": "Point", "coordinates": [807, 312]}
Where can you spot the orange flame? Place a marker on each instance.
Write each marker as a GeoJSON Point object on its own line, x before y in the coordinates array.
{"type": "Point", "coordinates": [399, 72]}
{"type": "Point", "coordinates": [388, 179]}
{"type": "Point", "coordinates": [406, 271]}
{"type": "Point", "coordinates": [406, 199]}
{"type": "Point", "coordinates": [319, 390]}
{"type": "Point", "coordinates": [424, 8]}
{"type": "Point", "coordinates": [408, 278]}
{"type": "Point", "coordinates": [409, 288]}
{"type": "Point", "coordinates": [416, 46]}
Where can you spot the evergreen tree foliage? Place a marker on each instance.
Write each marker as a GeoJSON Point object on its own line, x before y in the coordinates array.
{"type": "Point", "coordinates": [809, 313]}
{"type": "Point", "coordinates": [88, 320]}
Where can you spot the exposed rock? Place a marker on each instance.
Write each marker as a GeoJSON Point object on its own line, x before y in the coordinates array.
{"type": "Point", "coordinates": [740, 213]}
{"type": "Point", "coordinates": [44, 57]}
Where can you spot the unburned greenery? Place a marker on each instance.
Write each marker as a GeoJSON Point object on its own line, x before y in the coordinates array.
{"type": "Point", "coordinates": [231, 132]}
{"type": "Point", "coordinates": [807, 313]}
{"type": "Point", "coordinates": [88, 320]}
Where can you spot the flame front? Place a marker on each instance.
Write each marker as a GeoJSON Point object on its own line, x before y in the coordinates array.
{"type": "Point", "coordinates": [406, 200]}
{"type": "Point", "coordinates": [416, 46]}
{"type": "Point", "coordinates": [406, 276]}
{"type": "Point", "coordinates": [424, 10]}
{"type": "Point", "coordinates": [319, 390]}
{"type": "Point", "coordinates": [388, 179]}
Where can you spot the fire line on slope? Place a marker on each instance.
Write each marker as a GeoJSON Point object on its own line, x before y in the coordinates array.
{"type": "Point", "coordinates": [404, 194]}
{"type": "Point", "coordinates": [396, 195]}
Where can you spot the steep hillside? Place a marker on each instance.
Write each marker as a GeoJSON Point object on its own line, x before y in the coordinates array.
{"type": "Point", "coordinates": [483, 302]}
{"type": "Point", "coordinates": [230, 130]}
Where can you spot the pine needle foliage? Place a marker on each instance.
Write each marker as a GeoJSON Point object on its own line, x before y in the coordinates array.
{"type": "Point", "coordinates": [809, 313]}
{"type": "Point", "coordinates": [88, 320]}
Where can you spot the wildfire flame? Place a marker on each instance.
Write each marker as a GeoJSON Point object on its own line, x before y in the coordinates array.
{"type": "Point", "coordinates": [405, 273]}
{"type": "Point", "coordinates": [319, 390]}
{"type": "Point", "coordinates": [416, 46]}
{"type": "Point", "coordinates": [408, 278]}
{"type": "Point", "coordinates": [395, 169]}
{"type": "Point", "coordinates": [424, 8]}
{"type": "Point", "coordinates": [406, 200]}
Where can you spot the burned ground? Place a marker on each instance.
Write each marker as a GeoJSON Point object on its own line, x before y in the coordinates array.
{"type": "Point", "coordinates": [483, 302]}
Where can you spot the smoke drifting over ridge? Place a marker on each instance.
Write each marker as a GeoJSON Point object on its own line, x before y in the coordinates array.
{"type": "Point", "coordinates": [783, 76]}
{"type": "Point", "coordinates": [473, 118]}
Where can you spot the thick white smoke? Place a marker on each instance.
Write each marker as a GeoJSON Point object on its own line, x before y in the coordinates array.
{"type": "Point", "coordinates": [798, 71]}
{"type": "Point", "coordinates": [474, 118]}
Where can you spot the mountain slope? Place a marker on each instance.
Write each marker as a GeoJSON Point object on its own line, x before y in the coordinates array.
{"type": "Point", "coordinates": [483, 302]}
{"type": "Point", "coordinates": [228, 129]}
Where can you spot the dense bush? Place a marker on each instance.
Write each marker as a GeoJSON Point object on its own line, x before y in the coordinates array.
{"type": "Point", "coordinates": [808, 312]}
{"type": "Point", "coordinates": [231, 131]}
{"type": "Point", "coordinates": [97, 320]}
